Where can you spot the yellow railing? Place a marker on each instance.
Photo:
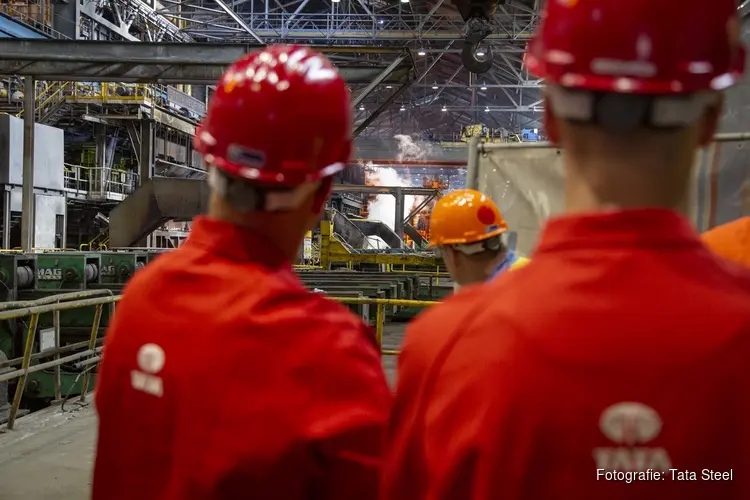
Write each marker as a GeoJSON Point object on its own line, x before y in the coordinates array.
{"type": "Point", "coordinates": [87, 179]}
{"type": "Point", "coordinates": [380, 313]}
{"type": "Point", "coordinates": [52, 94]}
{"type": "Point", "coordinates": [31, 14]}
{"type": "Point", "coordinates": [54, 304]}
{"type": "Point", "coordinates": [106, 92]}
{"type": "Point", "coordinates": [88, 353]}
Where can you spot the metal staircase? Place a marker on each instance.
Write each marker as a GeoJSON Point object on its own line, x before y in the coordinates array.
{"type": "Point", "coordinates": [50, 102]}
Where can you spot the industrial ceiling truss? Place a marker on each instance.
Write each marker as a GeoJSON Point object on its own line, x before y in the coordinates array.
{"type": "Point", "coordinates": [366, 69]}
{"type": "Point", "coordinates": [452, 87]}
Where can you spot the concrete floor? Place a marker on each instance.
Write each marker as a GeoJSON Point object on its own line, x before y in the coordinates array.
{"type": "Point", "coordinates": [50, 453]}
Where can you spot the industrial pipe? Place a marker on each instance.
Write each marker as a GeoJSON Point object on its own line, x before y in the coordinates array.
{"type": "Point", "coordinates": [49, 364]}
{"type": "Point", "coordinates": [65, 306]}
{"type": "Point", "coordinates": [54, 299]}
{"type": "Point", "coordinates": [45, 354]}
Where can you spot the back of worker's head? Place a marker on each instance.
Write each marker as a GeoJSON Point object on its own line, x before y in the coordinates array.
{"type": "Point", "coordinates": [467, 226]}
{"type": "Point", "coordinates": [636, 82]}
{"type": "Point", "coordinates": [277, 128]}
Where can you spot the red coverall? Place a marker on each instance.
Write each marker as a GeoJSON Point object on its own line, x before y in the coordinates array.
{"type": "Point", "coordinates": [624, 345]}
{"type": "Point", "coordinates": [249, 386]}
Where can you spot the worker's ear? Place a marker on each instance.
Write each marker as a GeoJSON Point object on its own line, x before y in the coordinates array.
{"type": "Point", "coordinates": [449, 256]}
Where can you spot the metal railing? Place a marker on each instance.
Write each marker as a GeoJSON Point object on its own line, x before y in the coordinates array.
{"type": "Point", "coordinates": [380, 313]}
{"type": "Point", "coordinates": [98, 179]}
{"type": "Point", "coordinates": [88, 353]}
{"type": "Point", "coordinates": [107, 91]}
{"type": "Point", "coordinates": [49, 99]}
{"type": "Point", "coordinates": [52, 304]}
{"type": "Point", "coordinates": [24, 13]}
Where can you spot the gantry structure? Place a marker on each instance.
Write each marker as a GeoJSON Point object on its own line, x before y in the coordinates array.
{"type": "Point", "coordinates": [443, 94]}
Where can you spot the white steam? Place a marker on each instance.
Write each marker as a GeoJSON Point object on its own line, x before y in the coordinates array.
{"type": "Point", "coordinates": [383, 206]}
{"type": "Point", "coordinates": [410, 150]}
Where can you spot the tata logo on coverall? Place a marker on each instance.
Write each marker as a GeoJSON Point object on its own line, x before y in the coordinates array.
{"type": "Point", "coordinates": [150, 359]}
{"type": "Point", "coordinates": [49, 274]}
{"type": "Point", "coordinates": [631, 425]}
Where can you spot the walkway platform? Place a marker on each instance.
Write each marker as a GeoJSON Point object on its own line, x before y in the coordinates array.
{"type": "Point", "coordinates": [50, 454]}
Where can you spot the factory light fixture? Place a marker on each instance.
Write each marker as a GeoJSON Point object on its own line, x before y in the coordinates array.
{"type": "Point", "coordinates": [335, 1]}
{"type": "Point", "coordinates": [480, 53]}
{"type": "Point", "coordinates": [361, 108]}
{"type": "Point", "coordinates": [389, 86]}
{"type": "Point", "coordinates": [434, 86]}
{"type": "Point", "coordinates": [444, 109]}
{"type": "Point", "coordinates": [402, 108]}
{"type": "Point", "coordinates": [421, 52]}
{"type": "Point", "coordinates": [486, 110]}
{"type": "Point", "coordinates": [404, 1]}
{"type": "Point", "coordinates": [483, 87]}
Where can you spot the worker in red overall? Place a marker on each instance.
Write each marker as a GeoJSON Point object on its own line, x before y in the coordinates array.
{"type": "Point", "coordinates": [615, 364]}
{"type": "Point", "coordinates": [223, 377]}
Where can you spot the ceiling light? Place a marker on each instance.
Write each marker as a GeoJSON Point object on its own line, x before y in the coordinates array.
{"type": "Point", "coordinates": [380, 21]}
{"type": "Point", "coordinates": [480, 52]}
{"type": "Point", "coordinates": [421, 52]}
{"type": "Point", "coordinates": [483, 87]}
{"type": "Point", "coordinates": [402, 109]}
{"type": "Point", "coordinates": [486, 110]}
{"type": "Point", "coordinates": [404, 1]}
{"type": "Point", "coordinates": [434, 87]}
{"type": "Point", "coordinates": [361, 108]}
{"type": "Point", "coordinates": [389, 86]}
{"type": "Point", "coordinates": [444, 109]}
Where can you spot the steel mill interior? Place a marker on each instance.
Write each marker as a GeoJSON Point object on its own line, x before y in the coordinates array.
{"type": "Point", "coordinates": [100, 101]}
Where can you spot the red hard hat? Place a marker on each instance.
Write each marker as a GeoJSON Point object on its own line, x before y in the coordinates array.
{"type": "Point", "coordinates": [279, 116]}
{"type": "Point", "coordinates": [639, 46]}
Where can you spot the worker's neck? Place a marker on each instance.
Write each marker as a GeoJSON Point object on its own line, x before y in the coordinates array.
{"type": "Point", "coordinates": [612, 185]}
{"type": "Point", "coordinates": [277, 229]}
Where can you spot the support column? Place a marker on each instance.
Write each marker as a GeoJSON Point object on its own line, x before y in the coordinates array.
{"type": "Point", "coordinates": [27, 204]}
{"type": "Point", "coordinates": [6, 220]}
{"type": "Point", "coordinates": [398, 223]}
{"type": "Point", "coordinates": [100, 158]}
{"type": "Point", "coordinates": [146, 161]}
{"type": "Point", "coordinates": [146, 155]}
{"type": "Point", "coordinates": [189, 153]}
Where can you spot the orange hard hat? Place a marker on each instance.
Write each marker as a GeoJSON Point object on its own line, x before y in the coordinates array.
{"type": "Point", "coordinates": [465, 216]}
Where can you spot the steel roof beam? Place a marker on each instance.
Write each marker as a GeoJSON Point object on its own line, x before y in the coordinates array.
{"type": "Point", "coordinates": [146, 62]}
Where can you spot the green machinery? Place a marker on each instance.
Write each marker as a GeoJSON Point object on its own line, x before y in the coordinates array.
{"type": "Point", "coordinates": [28, 277]}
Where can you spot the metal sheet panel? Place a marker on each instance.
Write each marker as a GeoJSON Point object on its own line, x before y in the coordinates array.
{"type": "Point", "coordinates": [11, 141]}
{"type": "Point", "coordinates": [16, 200]}
{"type": "Point", "coordinates": [47, 210]}
{"type": "Point", "coordinates": [527, 183]}
{"type": "Point", "coordinates": [49, 157]}
{"type": "Point", "coordinates": [48, 154]}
